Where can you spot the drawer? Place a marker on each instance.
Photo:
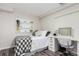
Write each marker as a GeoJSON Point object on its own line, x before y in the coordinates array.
{"type": "Point", "coordinates": [51, 48]}
{"type": "Point", "coordinates": [50, 42]}
{"type": "Point", "coordinates": [50, 39]}
{"type": "Point", "coordinates": [50, 45]}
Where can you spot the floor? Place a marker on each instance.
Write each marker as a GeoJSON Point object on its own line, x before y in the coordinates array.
{"type": "Point", "coordinates": [45, 52]}
{"type": "Point", "coordinates": [7, 52]}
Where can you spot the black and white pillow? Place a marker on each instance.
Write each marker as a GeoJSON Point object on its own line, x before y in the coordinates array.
{"type": "Point", "coordinates": [23, 45]}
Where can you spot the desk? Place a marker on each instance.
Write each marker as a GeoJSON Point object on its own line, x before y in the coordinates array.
{"type": "Point", "coordinates": [53, 42]}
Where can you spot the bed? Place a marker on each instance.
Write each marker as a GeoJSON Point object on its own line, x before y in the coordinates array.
{"type": "Point", "coordinates": [25, 44]}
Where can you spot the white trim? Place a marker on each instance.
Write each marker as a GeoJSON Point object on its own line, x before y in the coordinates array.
{"type": "Point", "coordinates": [6, 47]}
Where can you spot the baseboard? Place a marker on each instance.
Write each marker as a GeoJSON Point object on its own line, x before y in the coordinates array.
{"type": "Point", "coordinates": [6, 47]}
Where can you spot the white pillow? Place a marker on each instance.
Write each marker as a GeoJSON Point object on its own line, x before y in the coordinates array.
{"type": "Point", "coordinates": [41, 33]}
{"type": "Point", "coordinates": [38, 33]}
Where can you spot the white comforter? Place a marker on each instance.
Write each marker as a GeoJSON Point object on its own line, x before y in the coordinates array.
{"type": "Point", "coordinates": [39, 42]}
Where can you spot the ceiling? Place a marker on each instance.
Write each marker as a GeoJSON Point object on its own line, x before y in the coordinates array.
{"type": "Point", "coordinates": [33, 9]}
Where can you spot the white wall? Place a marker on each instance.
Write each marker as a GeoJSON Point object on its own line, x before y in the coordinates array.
{"type": "Point", "coordinates": [47, 23]}
{"type": "Point", "coordinates": [8, 27]}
